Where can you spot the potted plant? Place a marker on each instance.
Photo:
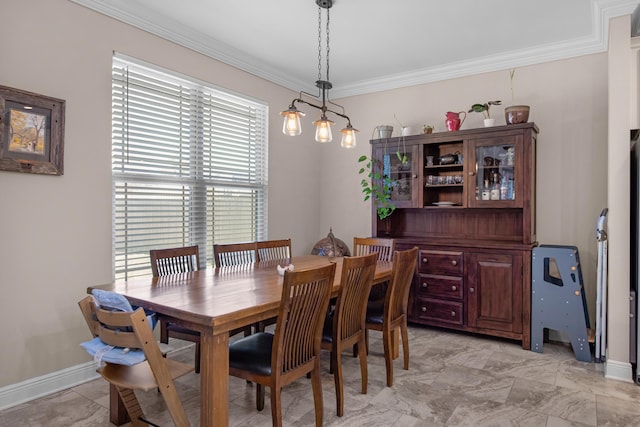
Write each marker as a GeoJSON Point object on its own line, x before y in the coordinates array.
{"type": "Point", "coordinates": [515, 113]}
{"type": "Point", "coordinates": [376, 186]}
{"type": "Point", "coordinates": [426, 129]}
{"type": "Point", "coordinates": [484, 109]}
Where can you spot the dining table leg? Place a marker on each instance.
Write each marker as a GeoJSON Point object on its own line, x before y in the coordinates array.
{"type": "Point", "coordinates": [214, 379]}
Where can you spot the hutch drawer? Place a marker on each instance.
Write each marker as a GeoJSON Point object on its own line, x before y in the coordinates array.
{"type": "Point", "coordinates": [439, 311]}
{"type": "Point", "coordinates": [441, 287]}
{"type": "Point", "coordinates": [446, 263]}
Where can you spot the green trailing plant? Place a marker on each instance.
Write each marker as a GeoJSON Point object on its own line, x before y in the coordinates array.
{"type": "Point", "coordinates": [401, 156]}
{"type": "Point", "coordinates": [376, 186]}
{"type": "Point", "coordinates": [484, 108]}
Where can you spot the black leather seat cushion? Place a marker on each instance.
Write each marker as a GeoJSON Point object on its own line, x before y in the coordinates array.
{"type": "Point", "coordinates": [327, 329]}
{"type": "Point", "coordinates": [252, 353]}
{"type": "Point", "coordinates": [375, 310]}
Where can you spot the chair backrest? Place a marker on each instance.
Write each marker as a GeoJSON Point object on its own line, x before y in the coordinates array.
{"type": "Point", "coordinates": [114, 327]}
{"type": "Point", "coordinates": [227, 255]}
{"type": "Point", "coordinates": [366, 245]}
{"type": "Point", "coordinates": [305, 299]}
{"type": "Point", "coordinates": [397, 296]}
{"type": "Point", "coordinates": [273, 249]}
{"type": "Point", "coordinates": [351, 304]}
{"type": "Point", "coordinates": [174, 260]}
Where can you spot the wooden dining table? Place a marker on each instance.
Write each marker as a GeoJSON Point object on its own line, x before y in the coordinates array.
{"type": "Point", "coordinates": [215, 301]}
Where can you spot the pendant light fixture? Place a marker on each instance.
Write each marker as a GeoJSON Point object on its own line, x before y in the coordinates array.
{"type": "Point", "coordinates": [323, 125]}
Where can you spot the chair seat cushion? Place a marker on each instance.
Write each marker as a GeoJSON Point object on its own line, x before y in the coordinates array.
{"type": "Point", "coordinates": [252, 353]}
{"type": "Point", "coordinates": [102, 352]}
{"type": "Point", "coordinates": [375, 311]}
{"type": "Point", "coordinates": [327, 329]}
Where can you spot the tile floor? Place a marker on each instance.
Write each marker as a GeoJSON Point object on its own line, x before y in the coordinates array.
{"type": "Point", "coordinates": [454, 379]}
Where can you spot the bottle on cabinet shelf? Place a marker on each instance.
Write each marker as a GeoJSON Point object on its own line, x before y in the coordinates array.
{"type": "Point", "coordinates": [504, 189]}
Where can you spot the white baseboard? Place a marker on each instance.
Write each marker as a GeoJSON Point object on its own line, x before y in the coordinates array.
{"type": "Point", "coordinates": [617, 370]}
{"type": "Point", "coordinates": [45, 385]}
{"type": "Point", "coordinates": [35, 388]}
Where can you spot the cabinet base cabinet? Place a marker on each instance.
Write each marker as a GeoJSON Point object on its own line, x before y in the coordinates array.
{"type": "Point", "coordinates": [488, 292]}
{"type": "Point", "coordinates": [494, 292]}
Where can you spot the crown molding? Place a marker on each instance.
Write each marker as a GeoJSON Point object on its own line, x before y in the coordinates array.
{"type": "Point", "coordinates": [596, 42]}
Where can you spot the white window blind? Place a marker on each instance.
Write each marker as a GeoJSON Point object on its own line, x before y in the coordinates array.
{"type": "Point", "coordinates": [189, 166]}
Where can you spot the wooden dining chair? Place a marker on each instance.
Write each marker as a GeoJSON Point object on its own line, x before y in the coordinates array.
{"type": "Point", "coordinates": [344, 327]}
{"type": "Point", "coordinates": [384, 248]}
{"type": "Point", "coordinates": [366, 245]}
{"type": "Point", "coordinates": [233, 254]}
{"type": "Point", "coordinates": [172, 261]}
{"type": "Point", "coordinates": [269, 250]}
{"type": "Point", "coordinates": [132, 331]}
{"type": "Point", "coordinates": [391, 314]}
{"type": "Point", "coordinates": [294, 351]}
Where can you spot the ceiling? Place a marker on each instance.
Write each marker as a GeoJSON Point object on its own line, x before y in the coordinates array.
{"type": "Point", "coordinates": [374, 44]}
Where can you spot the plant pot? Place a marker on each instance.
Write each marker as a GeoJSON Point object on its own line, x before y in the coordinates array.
{"type": "Point", "coordinates": [516, 114]}
{"type": "Point", "coordinates": [384, 131]}
{"type": "Point", "coordinates": [489, 122]}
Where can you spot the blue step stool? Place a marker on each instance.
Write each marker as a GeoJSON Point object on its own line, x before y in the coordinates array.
{"type": "Point", "coordinates": [557, 298]}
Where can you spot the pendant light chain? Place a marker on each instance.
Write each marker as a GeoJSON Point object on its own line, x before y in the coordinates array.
{"type": "Point", "coordinates": [319, 43]}
{"type": "Point", "coordinates": [328, 46]}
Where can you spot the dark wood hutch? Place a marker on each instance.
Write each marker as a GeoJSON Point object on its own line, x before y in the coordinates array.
{"type": "Point", "coordinates": [467, 200]}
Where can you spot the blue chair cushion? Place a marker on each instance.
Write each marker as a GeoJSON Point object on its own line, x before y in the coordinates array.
{"type": "Point", "coordinates": [252, 353]}
{"type": "Point", "coordinates": [111, 300]}
{"type": "Point", "coordinates": [102, 352]}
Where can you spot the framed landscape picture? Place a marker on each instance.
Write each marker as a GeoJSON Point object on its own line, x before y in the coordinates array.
{"type": "Point", "coordinates": [31, 132]}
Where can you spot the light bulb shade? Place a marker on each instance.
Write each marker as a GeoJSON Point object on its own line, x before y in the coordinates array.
{"type": "Point", "coordinates": [291, 125]}
{"type": "Point", "coordinates": [323, 129]}
{"type": "Point", "coordinates": [348, 137]}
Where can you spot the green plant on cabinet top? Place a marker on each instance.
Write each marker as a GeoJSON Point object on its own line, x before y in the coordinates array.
{"type": "Point", "coordinates": [377, 187]}
{"type": "Point", "coordinates": [484, 108]}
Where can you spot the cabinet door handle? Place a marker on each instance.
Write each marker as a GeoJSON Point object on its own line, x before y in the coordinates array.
{"type": "Point", "coordinates": [424, 260]}
{"type": "Point", "coordinates": [454, 262]}
{"type": "Point", "coordinates": [453, 288]}
{"type": "Point", "coordinates": [453, 313]}
{"type": "Point", "coordinates": [424, 308]}
{"type": "Point", "coordinates": [415, 176]}
{"type": "Point", "coordinates": [424, 284]}
{"type": "Point", "coordinates": [472, 290]}
{"type": "Point", "coordinates": [472, 173]}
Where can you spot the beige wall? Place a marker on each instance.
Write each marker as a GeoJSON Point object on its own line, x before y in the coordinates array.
{"type": "Point", "coordinates": [56, 231]}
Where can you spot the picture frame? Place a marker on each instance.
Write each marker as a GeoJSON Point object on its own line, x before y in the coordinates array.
{"type": "Point", "coordinates": [31, 132]}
